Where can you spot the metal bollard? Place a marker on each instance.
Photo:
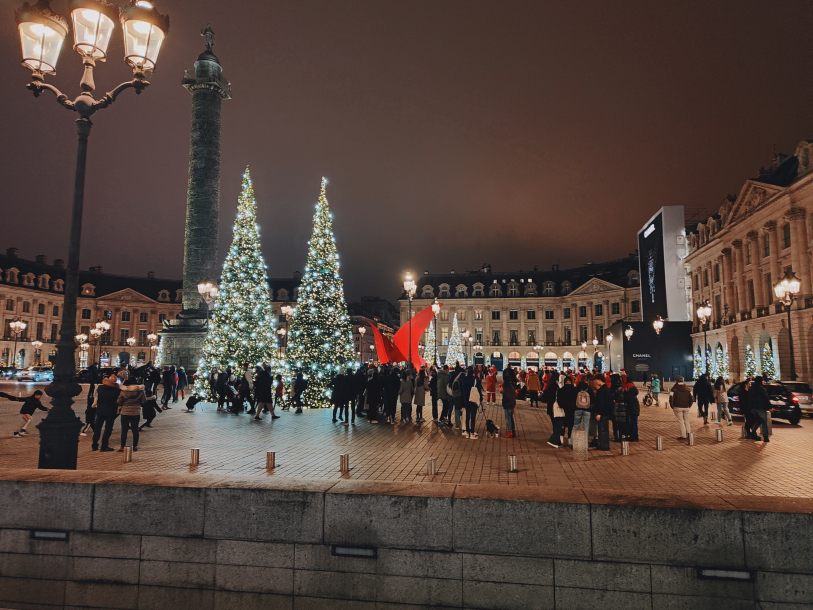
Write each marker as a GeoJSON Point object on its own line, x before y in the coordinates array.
{"type": "Point", "coordinates": [719, 435]}
{"type": "Point", "coordinates": [743, 432]}
{"type": "Point", "coordinates": [770, 424]}
{"type": "Point", "coordinates": [430, 467]}
{"type": "Point", "coordinates": [344, 462]}
{"type": "Point", "coordinates": [128, 454]}
{"type": "Point", "coordinates": [625, 447]}
{"type": "Point", "coordinates": [195, 457]}
{"type": "Point", "coordinates": [691, 439]}
{"type": "Point", "coordinates": [712, 415]}
{"type": "Point", "coordinates": [658, 443]}
{"type": "Point", "coordinates": [512, 463]}
{"type": "Point", "coordinates": [270, 460]}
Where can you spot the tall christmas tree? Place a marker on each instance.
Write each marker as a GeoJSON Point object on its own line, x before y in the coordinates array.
{"type": "Point", "coordinates": [712, 360]}
{"type": "Point", "coordinates": [699, 367]}
{"type": "Point", "coordinates": [768, 368]}
{"type": "Point", "coordinates": [455, 351]}
{"type": "Point", "coordinates": [320, 339]}
{"type": "Point", "coordinates": [750, 362]}
{"type": "Point", "coordinates": [722, 362]}
{"type": "Point", "coordinates": [431, 349]}
{"type": "Point", "coordinates": [241, 330]}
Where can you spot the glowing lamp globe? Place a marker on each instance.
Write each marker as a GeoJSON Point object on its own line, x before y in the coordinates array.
{"type": "Point", "coordinates": [788, 286]}
{"type": "Point", "coordinates": [93, 24]}
{"type": "Point", "coordinates": [628, 333]}
{"type": "Point", "coordinates": [658, 325]}
{"type": "Point", "coordinates": [144, 33]}
{"type": "Point", "coordinates": [42, 33]}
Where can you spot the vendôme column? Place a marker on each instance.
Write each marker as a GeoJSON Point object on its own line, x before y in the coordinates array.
{"type": "Point", "coordinates": [182, 338]}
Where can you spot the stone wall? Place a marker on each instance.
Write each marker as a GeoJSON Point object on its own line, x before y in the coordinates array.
{"type": "Point", "coordinates": [208, 542]}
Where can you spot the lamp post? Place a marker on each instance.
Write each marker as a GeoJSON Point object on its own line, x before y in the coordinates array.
{"type": "Point", "coordinates": [584, 351]}
{"type": "Point", "coordinates": [628, 333]}
{"type": "Point", "coordinates": [42, 33]}
{"type": "Point", "coordinates": [787, 291]}
{"type": "Point", "coordinates": [288, 312]}
{"type": "Point", "coordinates": [95, 335]}
{"type": "Point", "coordinates": [372, 354]}
{"type": "Point", "coordinates": [81, 339]}
{"type": "Point", "coordinates": [362, 330]}
{"type": "Point", "coordinates": [410, 288]}
{"type": "Point", "coordinates": [658, 326]}
{"type": "Point", "coordinates": [465, 334]}
{"type": "Point", "coordinates": [152, 341]}
{"type": "Point", "coordinates": [208, 293]}
{"type": "Point", "coordinates": [37, 345]}
{"type": "Point", "coordinates": [17, 327]}
{"type": "Point", "coordinates": [435, 310]}
{"type": "Point", "coordinates": [280, 351]}
{"type": "Point", "coordinates": [610, 349]}
{"type": "Point", "coordinates": [704, 315]}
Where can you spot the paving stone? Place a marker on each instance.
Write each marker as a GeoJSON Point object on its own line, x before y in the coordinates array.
{"type": "Point", "coordinates": [101, 595]}
{"type": "Point", "coordinates": [685, 581]}
{"type": "Point", "coordinates": [419, 564]}
{"type": "Point", "coordinates": [408, 590]}
{"type": "Point", "coordinates": [602, 575]}
{"type": "Point", "coordinates": [30, 591]}
{"type": "Point", "coordinates": [173, 598]}
{"type": "Point", "coordinates": [265, 554]}
{"type": "Point", "coordinates": [255, 579]}
{"type": "Point", "coordinates": [773, 587]}
{"type": "Point", "coordinates": [190, 550]}
{"type": "Point", "coordinates": [570, 598]}
{"type": "Point", "coordinates": [93, 544]}
{"type": "Point", "coordinates": [50, 567]}
{"type": "Point", "coordinates": [336, 585]}
{"type": "Point", "coordinates": [134, 509]}
{"type": "Point", "coordinates": [502, 569]}
{"type": "Point", "coordinates": [177, 574]}
{"type": "Point", "coordinates": [106, 569]}
{"type": "Point", "coordinates": [504, 596]}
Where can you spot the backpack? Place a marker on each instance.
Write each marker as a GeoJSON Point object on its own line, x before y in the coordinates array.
{"type": "Point", "coordinates": [583, 400]}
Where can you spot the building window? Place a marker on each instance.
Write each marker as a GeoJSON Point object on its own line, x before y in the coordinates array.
{"type": "Point", "coordinates": [566, 288]}
{"type": "Point", "coordinates": [705, 278]}
{"type": "Point", "coordinates": [766, 245]}
{"type": "Point", "coordinates": [549, 314]}
{"type": "Point", "coordinates": [478, 291]}
{"type": "Point", "coordinates": [616, 309]}
{"type": "Point", "coordinates": [444, 336]}
{"type": "Point", "coordinates": [635, 306]}
{"type": "Point", "coordinates": [548, 289]}
{"type": "Point", "coordinates": [142, 336]}
{"type": "Point", "coordinates": [717, 273]}
{"type": "Point", "coordinates": [86, 314]}
{"type": "Point", "coordinates": [428, 292]}
{"type": "Point", "coordinates": [514, 337]}
{"type": "Point", "coordinates": [54, 332]}
{"type": "Point", "coordinates": [9, 304]}
{"type": "Point", "coordinates": [513, 314]}
{"type": "Point", "coordinates": [748, 254]}
{"type": "Point", "coordinates": [40, 330]}
{"type": "Point", "coordinates": [56, 310]}
{"type": "Point", "coordinates": [478, 336]}
{"type": "Point", "coordinates": [786, 235]}
{"type": "Point", "coordinates": [769, 288]}
{"type": "Point", "coordinates": [462, 292]}
{"type": "Point", "coordinates": [444, 315]}
{"type": "Point", "coordinates": [125, 316]}
{"type": "Point", "coordinates": [567, 335]}
{"type": "Point", "coordinates": [549, 336]}
{"type": "Point", "coordinates": [444, 292]}
{"type": "Point", "coordinates": [696, 282]}
{"type": "Point", "coordinates": [531, 336]}
{"type": "Point", "coordinates": [599, 309]}
{"type": "Point", "coordinates": [41, 309]}
{"type": "Point", "coordinates": [583, 333]}
{"type": "Point", "coordinates": [495, 291]}
{"type": "Point", "coordinates": [718, 307]}
{"type": "Point", "coordinates": [582, 311]}
{"type": "Point", "coordinates": [495, 314]}
{"type": "Point", "coordinates": [162, 317]}
{"type": "Point", "coordinates": [567, 313]}
{"type": "Point", "coordinates": [26, 307]}
{"type": "Point", "coordinates": [495, 335]}
{"type": "Point", "coordinates": [143, 317]}
{"type": "Point", "coordinates": [125, 332]}
{"type": "Point", "coordinates": [751, 300]}
{"type": "Point", "coordinates": [478, 314]}
{"type": "Point", "coordinates": [461, 314]}
{"type": "Point", "coordinates": [513, 290]}
{"type": "Point", "coordinates": [600, 333]}
{"type": "Point", "coordinates": [530, 290]}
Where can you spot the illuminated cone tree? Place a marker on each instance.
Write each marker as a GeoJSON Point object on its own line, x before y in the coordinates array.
{"type": "Point", "coordinates": [320, 340]}
{"type": "Point", "coordinates": [242, 326]}
{"type": "Point", "coordinates": [455, 351]}
{"type": "Point", "coordinates": [750, 362]}
{"type": "Point", "coordinates": [431, 349]}
{"type": "Point", "coordinates": [768, 369]}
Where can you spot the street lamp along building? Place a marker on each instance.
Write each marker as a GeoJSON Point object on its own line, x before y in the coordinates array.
{"type": "Point", "coordinates": [735, 259]}
{"type": "Point", "coordinates": [536, 317]}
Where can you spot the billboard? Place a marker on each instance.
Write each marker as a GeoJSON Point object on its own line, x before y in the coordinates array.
{"type": "Point", "coordinates": [661, 249]}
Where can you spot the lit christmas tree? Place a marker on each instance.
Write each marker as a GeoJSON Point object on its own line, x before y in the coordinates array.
{"type": "Point", "coordinates": [431, 349]}
{"type": "Point", "coordinates": [768, 368]}
{"type": "Point", "coordinates": [713, 368]}
{"type": "Point", "coordinates": [699, 367]}
{"type": "Point", "coordinates": [320, 339]}
{"type": "Point", "coordinates": [242, 326]}
{"type": "Point", "coordinates": [722, 362]}
{"type": "Point", "coordinates": [455, 351]}
{"type": "Point", "coordinates": [750, 362]}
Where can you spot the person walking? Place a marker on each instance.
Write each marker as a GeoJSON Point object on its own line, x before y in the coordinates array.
{"type": "Point", "coordinates": [246, 388]}
{"type": "Point", "coordinates": [443, 396]}
{"type": "Point", "coordinates": [405, 393]}
{"type": "Point", "coordinates": [433, 392]}
{"type": "Point", "coordinates": [107, 395]}
{"type": "Point", "coordinates": [681, 402]}
{"type": "Point", "coordinates": [183, 381]}
{"type": "Point", "coordinates": [721, 399]}
{"type": "Point", "coordinates": [300, 384]}
{"type": "Point", "coordinates": [264, 393]}
{"type": "Point", "coordinates": [473, 396]}
{"type": "Point", "coordinates": [130, 400]}
{"type": "Point", "coordinates": [656, 389]}
{"type": "Point", "coordinates": [633, 410]}
{"type": "Point", "coordinates": [30, 404]}
{"type": "Point", "coordinates": [760, 404]}
{"type": "Point", "coordinates": [337, 394]}
{"type": "Point", "coordinates": [509, 401]}
{"type": "Point", "coordinates": [534, 387]}
{"type": "Point", "coordinates": [566, 399]}
{"type": "Point", "coordinates": [149, 409]}
{"type": "Point", "coordinates": [421, 386]}
{"type": "Point", "coordinates": [168, 381]}
{"type": "Point", "coordinates": [279, 394]}
{"type": "Point", "coordinates": [704, 395]}
{"type": "Point", "coordinates": [602, 405]}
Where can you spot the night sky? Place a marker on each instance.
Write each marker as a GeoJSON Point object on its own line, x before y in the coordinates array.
{"type": "Point", "coordinates": [453, 133]}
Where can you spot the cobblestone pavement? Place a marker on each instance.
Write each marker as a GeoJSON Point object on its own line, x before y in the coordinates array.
{"type": "Point", "coordinates": [308, 446]}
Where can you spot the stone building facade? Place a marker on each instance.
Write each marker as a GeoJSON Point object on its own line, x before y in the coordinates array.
{"type": "Point", "coordinates": [738, 254]}
{"type": "Point", "coordinates": [539, 317]}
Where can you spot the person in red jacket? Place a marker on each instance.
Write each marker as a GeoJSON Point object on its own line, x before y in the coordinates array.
{"type": "Point", "coordinates": [491, 386]}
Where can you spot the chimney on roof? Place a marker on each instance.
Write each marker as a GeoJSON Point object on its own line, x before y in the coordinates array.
{"type": "Point", "coordinates": [426, 272]}
{"type": "Point", "coordinates": [297, 275]}
{"type": "Point", "coordinates": [12, 252]}
{"type": "Point", "coordinates": [536, 267]}
{"type": "Point", "coordinates": [42, 259]}
{"type": "Point", "coordinates": [555, 267]}
{"type": "Point", "coordinates": [452, 271]}
{"type": "Point", "coordinates": [58, 262]}
{"type": "Point", "coordinates": [96, 269]}
{"type": "Point", "coordinates": [151, 275]}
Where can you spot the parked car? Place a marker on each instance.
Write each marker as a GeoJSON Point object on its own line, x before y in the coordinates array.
{"type": "Point", "coordinates": [783, 404]}
{"type": "Point", "coordinates": [7, 371]}
{"type": "Point", "coordinates": [83, 376]}
{"type": "Point", "coordinates": [35, 373]}
{"type": "Point", "coordinates": [803, 393]}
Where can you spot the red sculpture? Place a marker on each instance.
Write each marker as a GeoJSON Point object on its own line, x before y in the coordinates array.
{"type": "Point", "coordinates": [397, 349]}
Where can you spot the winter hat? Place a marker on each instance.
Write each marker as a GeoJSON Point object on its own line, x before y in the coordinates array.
{"type": "Point", "coordinates": [679, 379]}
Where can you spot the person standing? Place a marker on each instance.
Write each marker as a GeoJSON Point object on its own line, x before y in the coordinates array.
{"type": "Point", "coordinates": [473, 396]}
{"type": "Point", "coordinates": [212, 381]}
{"type": "Point", "coordinates": [107, 395]}
{"type": "Point", "coordinates": [183, 381]}
{"type": "Point", "coordinates": [405, 392]}
{"type": "Point", "coordinates": [721, 399]}
{"type": "Point", "coordinates": [456, 378]}
{"type": "Point", "coordinates": [246, 388]}
{"type": "Point", "coordinates": [551, 387]}
{"type": "Point", "coordinates": [149, 409]}
{"type": "Point", "coordinates": [656, 389]}
{"type": "Point", "coordinates": [264, 393]}
{"type": "Point", "coordinates": [300, 384]}
{"type": "Point", "coordinates": [633, 410]}
{"type": "Point", "coordinates": [443, 395]}
{"type": "Point", "coordinates": [361, 388]}
{"type": "Point", "coordinates": [374, 391]}
{"type": "Point", "coordinates": [704, 395]}
{"type": "Point", "coordinates": [433, 392]}
{"type": "Point", "coordinates": [509, 401]}
{"type": "Point", "coordinates": [681, 402]}
{"type": "Point", "coordinates": [130, 400]}
{"type": "Point", "coordinates": [534, 387]}
{"type": "Point", "coordinates": [748, 414]}
{"type": "Point", "coordinates": [491, 386]}
{"type": "Point", "coordinates": [620, 429]}
{"type": "Point", "coordinates": [168, 381]}
{"type": "Point", "coordinates": [566, 399]}
{"type": "Point", "coordinates": [760, 404]}
{"type": "Point", "coordinates": [602, 406]}
{"type": "Point", "coordinates": [421, 386]}
{"type": "Point", "coordinates": [337, 395]}
{"type": "Point", "coordinates": [583, 410]}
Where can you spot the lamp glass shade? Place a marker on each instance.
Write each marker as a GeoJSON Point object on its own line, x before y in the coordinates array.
{"type": "Point", "coordinates": [780, 289]}
{"type": "Point", "coordinates": [41, 45]}
{"type": "Point", "coordinates": [142, 42]}
{"type": "Point", "coordinates": [794, 285]}
{"type": "Point", "coordinates": [92, 30]}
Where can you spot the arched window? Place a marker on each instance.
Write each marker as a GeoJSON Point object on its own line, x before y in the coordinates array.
{"type": "Point", "coordinates": [478, 290]}
{"type": "Point", "coordinates": [495, 291]}
{"type": "Point", "coordinates": [45, 281]}
{"type": "Point", "coordinates": [444, 291]}
{"type": "Point", "coordinates": [548, 291]}
{"type": "Point", "coordinates": [461, 291]}
{"type": "Point", "coordinates": [513, 290]}
{"type": "Point", "coordinates": [566, 287]}
{"type": "Point", "coordinates": [179, 295]}
{"type": "Point", "coordinates": [633, 278]}
{"type": "Point", "coordinates": [530, 290]}
{"type": "Point", "coordinates": [163, 295]}
{"type": "Point", "coordinates": [11, 275]}
{"type": "Point", "coordinates": [282, 294]}
{"type": "Point", "coordinates": [28, 279]}
{"type": "Point", "coordinates": [88, 290]}
{"type": "Point", "coordinates": [59, 285]}
{"type": "Point", "coordinates": [428, 292]}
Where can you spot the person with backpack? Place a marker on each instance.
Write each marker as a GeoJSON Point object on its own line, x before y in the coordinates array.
{"type": "Point", "coordinates": [633, 410]}
{"type": "Point", "coordinates": [681, 402]}
{"type": "Point", "coordinates": [471, 389]}
{"type": "Point", "coordinates": [721, 399]}
{"type": "Point", "coordinates": [582, 409]}
{"type": "Point", "coordinates": [509, 401]}
{"type": "Point", "coordinates": [443, 396]}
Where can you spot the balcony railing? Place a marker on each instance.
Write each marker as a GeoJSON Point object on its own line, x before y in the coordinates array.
{"type": "Point", "coordinates": [763, 311]}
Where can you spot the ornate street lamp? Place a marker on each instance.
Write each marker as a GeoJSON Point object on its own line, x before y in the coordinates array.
{"type": "Point", "coordinates": [787, 290]}
{"type": "Point", "coordinates": [704, 315]}
{"type": "Point", "coordinates": [208, 292]}
{"type": "Point", "coordinates": [610, 349]}
{"type": "Point", "coordinates": [410, 288]}
{"type": "Point", "coordinates": [37, 354]}
{"type": "Point", "coordinates": [281, 332]}
{"type": "Point", "coordinates": [435, 311]}
{"type": "Point", "coordinates": [42, 33]}
{"type": "Point", "coordinates": [628, 333]}
{"type": "Point", "coordinates": [131, 341]}
{"type": "Point", "coordinates": [95, 336]}
{"type": "Point", "coordinates": [17, 327]}
{"type": "Point", "coordinates": [362, 330]}
{"type": "Point", "coordinates": [658, 325]}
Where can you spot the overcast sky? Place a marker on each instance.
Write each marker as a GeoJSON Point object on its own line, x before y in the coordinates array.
{"type": "Point", "coordinates": [452, 133]}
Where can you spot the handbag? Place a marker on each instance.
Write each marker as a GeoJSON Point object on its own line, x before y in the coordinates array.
{"type": "Point", "coordinates": [557, 410]}
{"type": "Point", "coordinates": [474, 395]}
